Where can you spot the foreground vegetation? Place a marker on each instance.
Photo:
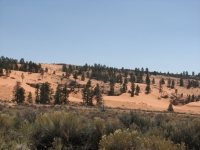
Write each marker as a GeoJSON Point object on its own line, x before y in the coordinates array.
{"type": "Point", "coordinates": [55, 123]}
{"type": "Point", "coordinates": [79, 127]}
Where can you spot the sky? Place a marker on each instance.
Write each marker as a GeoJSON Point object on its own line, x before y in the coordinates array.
{"type": "Point", "coordinates": [159, 35]}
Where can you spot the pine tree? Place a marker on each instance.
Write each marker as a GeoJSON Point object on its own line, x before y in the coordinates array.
{"type": "Point", "coordinates": [87, 96]}
{"type": "Point", "coordinates": [153, 81]}
{"type": "Point", "coordinates": [84, 95]}
{"type": "Point", "coordinates": [7, 72]}
{"type": "Point", "coordinates": [124, 88]}
{"type": "Point", "coordinates": [45, 93]}
{"type": "Point", "coordinates": [75, 75]}
{"type": "Point", "coordinates": [98, 95]}
{"type": "Point", "coordinates": [90, 97]}
{"type": "Point", "coordinates": [42, 73]}
{"type": "Point", "coordinates": [112, 81]}
{"type": "Point", "coordinates": [148, 89]}
{"type": "Point", "coordinates": [137, 90]}
{"type": "Point", "coordinates": [170, 108]}
{"type": "Point", "coordinates": [22, 76]}
{"type": "Point", "coordinates": [65, 95]}
{"type": "Point", "coordinates": [64, 68]}
{"type": "Point", "coordinates": [37, 93]}
{"type": "Point", "coordinates": [173, 83]}
{"type": "Point", "coordinates": [89, 83]}
{"type": "Point", "coordinates": [147, 71]}
{"type": "Point", "coordinates": [83, 76]}
{"type": "Point", "coordinates": [193, 97]}
{"type": "Point", "coordinates": [176, 91]}
{"type": "Point", "coordinates": [112, 90]}
{"type": "Point", "coordinates": [147, 79]}
{"type": "Point", "coordinates": [67, 74]}
{"type": "Point", "coordinates": [22, 61]}
{"type": "Point", "coordinates": [139, 77]}
{"type": "Point", "coordinates": [162, 81]}
{"type": "Point", "coordinates": [125, 80]}
{"type": "Point", "coordinates": [88, 74]}
{"type": "Point", "coordinates": [189, 84]}
{"type": "Point", "coordinates": [30, 98]}
{"type": "Point", "coordinates": [121, 80]}
{"type": "Point", "coordinates": [18, 93]}
{"type": "Point", "coordinates": [1, 71]}
{"type": "Point", "coordinates": [132, 78]}
{"type": "Point", "coordinates": [46, 70]}
{"type": "Point", "coordinates": [132, 89]}
{"type": "Point", "coordinates": [188, 99]}
{"type": "Point", "coordinates": [169, 82]}
{"type": "Point", "coordinates": [57, 97]}
{"type": "Point", "coordinates": [181, 82]}
{"type": "Point", "coordinates": [160, 87]}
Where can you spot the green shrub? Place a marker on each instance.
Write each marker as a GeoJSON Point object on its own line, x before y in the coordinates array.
{"type": "Point", "coordinates": [73, 130]}
{"type": "Point", "coordinates": [5, 121]}
{"type": "Point", "coordinates": [133, 140]}
{"type": "Point", "coordinates": [119, 140]}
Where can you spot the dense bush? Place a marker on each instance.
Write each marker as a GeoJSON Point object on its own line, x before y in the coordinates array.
{"type": "Point", "coordinates": [133, 140]}
{"type": "Point", "coordinates": [92, 129]}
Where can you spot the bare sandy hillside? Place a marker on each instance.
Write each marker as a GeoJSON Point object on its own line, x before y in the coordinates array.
{"type": "Point", "coordinates": [144, 101]}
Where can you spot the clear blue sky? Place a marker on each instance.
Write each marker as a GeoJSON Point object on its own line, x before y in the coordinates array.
{"type": "Point", "coordinates": [162, 35]}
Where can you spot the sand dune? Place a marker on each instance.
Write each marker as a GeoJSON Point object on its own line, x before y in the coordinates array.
{"type": "Point", "coordinates": [143, 101]}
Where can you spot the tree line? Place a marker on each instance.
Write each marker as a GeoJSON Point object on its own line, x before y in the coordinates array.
{"type": "Point", "coordinates": [44, 94]}
{"type": "Point", "coordinates": [13, 64]}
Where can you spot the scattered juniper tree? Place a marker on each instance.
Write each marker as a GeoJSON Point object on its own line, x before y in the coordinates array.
{"type": "Point", "coordinates": [181, 82]}
{"type": "Point", "coordinates": [162, 81]}
{"type": "Point", "coordinates": [1, 71]}
{"type": "Point", "coordinates": [148, 89]}
{"type": "Point", "coordinates": [88, 74]}
{"type": "Point", "coordinates": [193, 98]}
{"type": "Point", "coordinates": [176, 91]}
{"type": "Point", "coordinates": [67, 74]}
{"type": "Point", "coordinates": [75, 75]}
{"type": "Point", "coordinates": [137, 90]}
{"type": "Point", "coordinates": [30, 98]}
{"type": "Point", "coordinates": [37, 93]}
{"type": "Point", "coordinates": [42, 73]}
{"type": "Point", "coordinates": [46, 70]}
{"type": "Point", "coordinates": [18, 93]}
{"type": "Point", "coordinates": [61, 79]}
{"type": "Point", "coordinates": [169, 82]}
{"type": "Point", "coordinates": [57, 96]}
{"type": "Point", "coordinates": [98, 95]}
{"type": "Point", "coordinates": [65, 95]}
{"type": "Point", "coordinates": [83, 76]}
{"type": "Point", "coordinates": [87, 96]}
{"type": "Point", "coordinates": [170, 108]}
{"type": "Point", "coordinates": [64, 68]}
{"type": "Point", "coordinates": [89, 83]}
{"type": "Point", "coordinates": [125, 80]}
{"type": "Point", "coordinates": [7, 72]}
{"type": "Point", "coordinates": [45, 93]}
{"type": "Point", "coordinates": [132, 89]}
{"type": "Point", "coordinates": [132, 77]}
{"type": "Point", "coordinates": [124, 88]}
{"type": "Point", "coordinates": [147, 71]}
{"type": "Point", "coordinates": [147, 80]}
{"type": "Point", "coordinates": [112, 90]}
{"type": "Point", "coordinates": [173, 83]}
{"type": "Point", "coordinates": [22, 76]}
{"type": "Point", "coordinates": [153, 81]}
